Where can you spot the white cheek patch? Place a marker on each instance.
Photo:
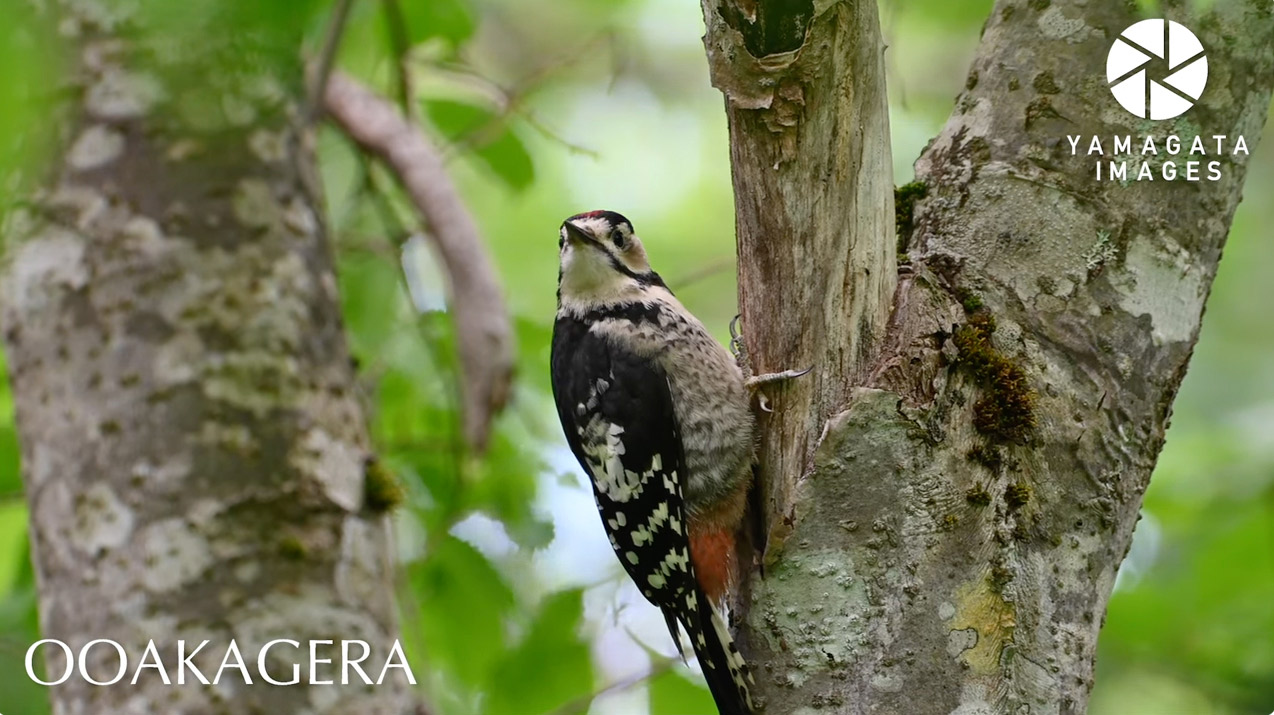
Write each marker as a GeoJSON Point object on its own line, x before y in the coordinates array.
{"type": "Point", "coordinates": [587, 272]}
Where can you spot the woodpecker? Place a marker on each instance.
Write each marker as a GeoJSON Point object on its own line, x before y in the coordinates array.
{"type": "Point", "coordinates": [658, 414]}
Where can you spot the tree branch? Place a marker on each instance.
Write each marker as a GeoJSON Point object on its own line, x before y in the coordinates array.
{"type": "Point", "coordinates": [482, 324]}
{"type": "Point", "coordinates": [956, 539]}
{"type": "Point", "coordinates": [327, 58]}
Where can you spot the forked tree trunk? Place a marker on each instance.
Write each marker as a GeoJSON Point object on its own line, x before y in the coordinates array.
{"type": "Point", "coordinates": [950, 496]}
{"type": "Point", "coordinates": [192, 446]}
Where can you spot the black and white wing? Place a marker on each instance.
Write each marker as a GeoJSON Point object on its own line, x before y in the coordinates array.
{"type": "Point", "coordinates": [616, 410]}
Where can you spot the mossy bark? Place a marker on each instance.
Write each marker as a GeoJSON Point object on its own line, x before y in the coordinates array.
{"type": "Point", "coordinates": [953, 538]}
{"type": "Point", "coordinates": [193, 449]}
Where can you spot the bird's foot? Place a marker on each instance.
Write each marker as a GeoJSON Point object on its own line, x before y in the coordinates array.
{"type": "Point", "coordinates": [754, 383]}
{"type": "Point", "coordinates": [737, 348]}
{"type": "Point", "coordinates": [758, 381]}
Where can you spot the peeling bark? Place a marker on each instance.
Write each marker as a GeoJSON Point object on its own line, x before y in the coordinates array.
{"type": "Point", "coordinates": [959, 526]}
{"type": "Point", "coordinates": [192, 446]}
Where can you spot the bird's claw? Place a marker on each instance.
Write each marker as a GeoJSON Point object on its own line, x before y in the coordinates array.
{"type": "Point", "coordinates": [754, 384]}
{"type": "Point", "coordinates": [737, 348]}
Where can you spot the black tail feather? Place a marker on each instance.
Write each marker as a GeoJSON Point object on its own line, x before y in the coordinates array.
{"type": "Point", "coordinates": [722, 666]}
{"type": "Point", "coordinates": [671, 619]}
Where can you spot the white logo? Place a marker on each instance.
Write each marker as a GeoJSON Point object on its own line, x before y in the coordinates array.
{"type": "Point", "coordinates": [1141, 44]}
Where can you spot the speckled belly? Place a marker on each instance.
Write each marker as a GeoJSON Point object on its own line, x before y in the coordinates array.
{"type": "Point", "coordinates": [714, 416]}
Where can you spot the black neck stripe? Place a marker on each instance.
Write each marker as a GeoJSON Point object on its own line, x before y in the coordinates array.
{"type": "Point", "coordinates": [646, 279]}
{"type": "Point", "coordinates": [632, 312]}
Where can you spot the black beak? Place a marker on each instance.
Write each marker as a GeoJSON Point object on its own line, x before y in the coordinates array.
{"type": "Point", "coordinates": [577, 234]}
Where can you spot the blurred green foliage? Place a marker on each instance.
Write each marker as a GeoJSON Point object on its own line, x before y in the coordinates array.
{"type": "Point", "coordinates": [33, 77]}
{"type": "Point", "coordinates": [495, 145]}
{"type": "Point", "coordinates": [549, 107]}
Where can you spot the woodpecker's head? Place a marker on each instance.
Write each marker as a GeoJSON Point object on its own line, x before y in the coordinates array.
{"type": "Point", "coordinates": [601, 260]}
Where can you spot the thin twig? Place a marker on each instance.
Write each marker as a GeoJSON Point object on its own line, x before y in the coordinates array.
{"type": "Point", "coordinates": [551, 135]}
{"type": "Point", "coordinates": [483, 328]}
{"type": "Point", "coordinates": [327, 58]}
{"type": "Point", "coordinates": [400, 41]}
{"type": "Point", "coordinates": [702, 272]}
{"type": "Point", "coordinates": [510, 100]}
{"type": "Point", "coordinates": [581, 704]}
{"type": "Point", "coordinates": [395, 235]}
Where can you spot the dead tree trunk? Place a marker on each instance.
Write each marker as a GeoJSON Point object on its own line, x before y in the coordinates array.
{"type": "Point", "coordinates": [192, 446]}
{"type": "Point", "coordinates": [950, 499]}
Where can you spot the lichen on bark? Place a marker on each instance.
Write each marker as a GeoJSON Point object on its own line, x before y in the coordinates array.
{"type": "Point", "coordinates": [952, 537]}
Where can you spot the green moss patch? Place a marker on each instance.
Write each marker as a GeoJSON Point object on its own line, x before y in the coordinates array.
{"type": "Point", "coordinates": [292, 548]}
{"type": "Point", "coordinates": [972, 302]}
{"type": "Point", "coordinates": [1006, 411]}
{"type": "Point", "coordinates": [1017, 494]}
{"type": "Point", "coordinates": [905, 198]}
{"type": "Point", "coordinates": [988, 455]}
{"type": "Point", "coordinates": [382, 491]}
{"type": "Point", "coordinates": [978, 496]}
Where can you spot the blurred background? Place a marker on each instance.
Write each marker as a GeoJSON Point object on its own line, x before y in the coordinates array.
{"type": "Point", "coordinates": [550, 107]}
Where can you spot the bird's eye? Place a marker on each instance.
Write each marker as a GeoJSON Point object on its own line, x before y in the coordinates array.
{"type": "Point", "coordinates": [617, 237]}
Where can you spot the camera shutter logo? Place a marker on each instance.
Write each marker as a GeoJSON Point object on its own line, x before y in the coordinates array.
{"type": "Point", "coordinates": [1146, 46]}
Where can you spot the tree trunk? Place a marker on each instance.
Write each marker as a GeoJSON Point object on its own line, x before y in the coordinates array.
{"type": "Point", "coordinates": [807, 151]}
{"type": "Point", "coordinates": [955, 534]}
{"type": "Point", "coordinates": [193, 448]}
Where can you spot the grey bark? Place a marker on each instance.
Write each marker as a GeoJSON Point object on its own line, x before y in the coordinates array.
{"type": "Point", "coordinates": [193, 448]}
{"type": "Point", "coordinates": [943, 558]}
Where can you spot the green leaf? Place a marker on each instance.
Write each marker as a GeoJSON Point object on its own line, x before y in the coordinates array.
{"type": "Point", "coordinates": [507, 156]}
{"type": "Point", "coordinates": [464, 604]}
{"type": "Point", "coordinates": [532, 533]}
{"type": "Point", "coordinates": [672, 694]}
{"type": "Point", "coordinates": [455, 119]}
{"type": "Point", "coordinates": [18, 629]}
{"type": "Point", "coordinates": [10, 474]}
{"type": "Point", "coordinates": [10, 464]}
{"type": "Point", "coordinates": [31, 67]}
{"type": "Point", "coordinates": [426, 19]}
{"type": "Point", "coordinates": [13, 544]}
{"type": "Point", "coordinates": [550, 667]}
{"type": "Point", "coordinates": [373, 302]}
{"type": "Point", "coordinates": [506, 483]}
{"type": "Point", "coordinates": [502, 151]}
{"type": "Point", "coordinates": [235, 38]}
